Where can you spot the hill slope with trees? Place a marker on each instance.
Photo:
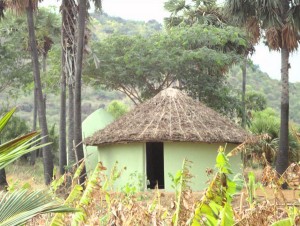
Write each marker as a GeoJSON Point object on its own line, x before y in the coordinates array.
{"type": "Point", "coordinates": [261, 82]}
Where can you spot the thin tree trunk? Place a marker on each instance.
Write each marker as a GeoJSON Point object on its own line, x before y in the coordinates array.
{"type": "Point", "coordinates": [71, 11]}
{"type": "Point", "coordinates": [34, 153]}
{"type": "Point", "coordinates": [282, 157]}
{"type": "Point", "coordinates": [47, 155]}
{"type": "Point", "coordinates": [71, 153]}
{"type": "Point", "coordinates": [3, 181]}
{"type": "Point", "coordinates": [244, 72]}
{"type": "Point", "coordinates": [62, 121]}
{"type": "Point", "coordinates": [282, 160]}
{"type": "Point", "coordinates": [44, 61]}
{"type": "Point", "coordinates": [78, 73]}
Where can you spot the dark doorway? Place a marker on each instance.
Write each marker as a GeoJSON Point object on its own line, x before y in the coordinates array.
{"type": "Point", "coordinates": [155, 164]}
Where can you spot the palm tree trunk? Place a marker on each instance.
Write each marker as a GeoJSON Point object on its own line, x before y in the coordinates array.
{"type": "Point", "coordinates": [62, 121]}
{"type": "Point", "coordinates": [70, 22]}
{"type": "Point", "coordinates": [244, 72]}
{"type": "Point", "coordinates": [3, 181]}
{"type": "Point", "coordinates": [44, 61]}
{"type": "Point", "coordinates": [71, 153]}
{"type": "Point", "coordinates": [282, 157]}
{"type": "Point", "coordinates": [47, 155]}
{"type": "Point", "coordinates": [77, 98]}
{"type": "Point", "coordinates": [34, 153]}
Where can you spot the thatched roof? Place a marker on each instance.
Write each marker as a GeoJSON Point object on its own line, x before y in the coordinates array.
{"type": "Point", "coordinates": [170, 116]}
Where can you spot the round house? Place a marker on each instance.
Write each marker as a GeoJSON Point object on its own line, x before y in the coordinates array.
{"type": "Point", "coordinates": [154, 138]}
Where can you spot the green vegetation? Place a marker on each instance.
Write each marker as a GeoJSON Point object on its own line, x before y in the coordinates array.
{"type": "Point", "coordinates": [261, 82]}
{"type": "Point", "coordinates": [117, 108]}
{"type": "Point", "coordinates": [219, 92]}
{"type": "Point", "coordinates": [19, 206]}
{"type": "Point", "coordinates": [215, 207]}
{"type": "Point", "coordinates": [104, 25]}
{"type": "Point", "coordinates": [140, 67]}
{"type": "Point", "coordinates": [220, 204]}
{"type": "Point", "coordinates": [140, 59]}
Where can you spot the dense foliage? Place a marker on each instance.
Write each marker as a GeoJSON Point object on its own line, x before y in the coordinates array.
{"type": "Point", "coordinates": [14, 67]}
{"type": "Point", "coordinates": [195, 58]}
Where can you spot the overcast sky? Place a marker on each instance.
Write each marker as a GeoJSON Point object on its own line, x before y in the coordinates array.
{"type": "Point", "coordinates": [145, 10]}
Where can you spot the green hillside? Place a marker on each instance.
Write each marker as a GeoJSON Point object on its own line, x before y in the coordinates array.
{"type": "Point", "coordinates": [261, 82]}
{"type": "Point", "coordinates": [104, 25]}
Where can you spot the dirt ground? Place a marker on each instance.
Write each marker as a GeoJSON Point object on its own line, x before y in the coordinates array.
{"type": "Point", "coordinates": [291, 197]}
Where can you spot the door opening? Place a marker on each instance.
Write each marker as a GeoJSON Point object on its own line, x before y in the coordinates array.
{"type": "Point", "coordinates": [155, 165]}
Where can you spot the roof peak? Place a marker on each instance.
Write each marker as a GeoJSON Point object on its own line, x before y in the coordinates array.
{"type": "Point", "coordinates": [172, 92]}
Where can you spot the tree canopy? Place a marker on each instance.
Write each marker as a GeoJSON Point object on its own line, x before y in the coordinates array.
{"type": "Point", "coordinates": [189, 56]}
{"type": "Point", "coordinates": [14, 67]}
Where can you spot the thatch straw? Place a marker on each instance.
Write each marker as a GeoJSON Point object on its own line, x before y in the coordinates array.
{"type": "Point", "coordinates": [170, 116]}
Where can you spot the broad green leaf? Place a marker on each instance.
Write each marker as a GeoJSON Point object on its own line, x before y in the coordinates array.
{"type": "Point", "coordinates": [74, 196]}
{"type": "Point", "coordinates": [226, 216]}
{"type": "Point", "coordinates": [215, 207]}
{"type": "Point", "coordinates": [283, 222]}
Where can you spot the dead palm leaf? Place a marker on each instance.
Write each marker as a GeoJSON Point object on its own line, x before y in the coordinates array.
{"type": "Point", "coordinates": [273, 38]}
{"type": "Point", "coordinates": [18, 6]}
{"type": "Point", "coordinates": [289, 37]}
{"type": "Point", "coordinates": [253, 28]}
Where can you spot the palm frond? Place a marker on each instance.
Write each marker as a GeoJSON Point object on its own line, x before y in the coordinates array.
{"type": "Point", "coordinates": [174, 6]}
{"type": "Point", "coordinates": [20, 6]}
{"type": "Point", "coordinates": [241, 10]}
{"type": "Point", "coordinates": [6, 118]}
{"type": "Point", "coordinates": [98, 4]}
{"type": "Point", "coordinates": [21, 205]}
{"type": "Point", "coordinates": [12, 150]}
{"type": "Point", "coordinates": [294, 16]}
{"type": "Point", "coordinates": [269, 5]}
{"type": "Point", "coordinates": [270, 13]}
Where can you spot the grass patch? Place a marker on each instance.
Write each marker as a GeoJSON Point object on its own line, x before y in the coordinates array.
{"type": "Point", "coordinates": [21, 173]}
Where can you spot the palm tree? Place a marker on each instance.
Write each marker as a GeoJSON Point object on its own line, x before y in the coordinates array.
{"type": "Point", "coordinates": [64, 72]}
{"type": "Point", "coordinates": [29, 6]}
{"type": "Point", "coordinates": [279, 21]}
{"type": "Point", "coordinates": [47, 154]}
{"type": "Point", "coordinates": [201, 11]}
{"type": "Point", "coordinates": [80, 43]}
{"type": "Point", "coordinates": [69, 23]}
{"type": "Point", "coordinates": [78, 74]}
{"type": "Point", "coordinates": [47, 30]}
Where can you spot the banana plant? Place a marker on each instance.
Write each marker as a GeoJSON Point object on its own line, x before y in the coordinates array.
{"type": "Point", "coordinates": [215, 206]}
